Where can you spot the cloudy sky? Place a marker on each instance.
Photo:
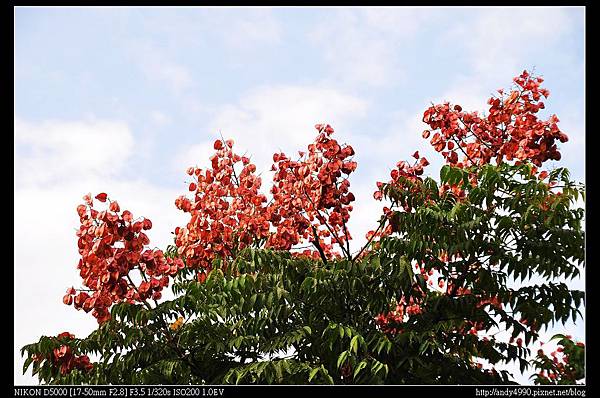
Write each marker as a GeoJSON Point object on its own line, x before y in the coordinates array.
{"type": "Point", "coordinates": [122, 100]}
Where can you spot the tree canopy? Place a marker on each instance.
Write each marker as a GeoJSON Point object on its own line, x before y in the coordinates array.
{"type": "Point", "coordinates": [267, 290]}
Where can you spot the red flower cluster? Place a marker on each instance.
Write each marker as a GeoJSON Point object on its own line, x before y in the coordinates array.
{"type": "Point", "coordinates": [64, 358]}
{"type": "Point", "coordinates": [472, 327]}
{"type": "Point", "coordinates": [374, 237]}
{"type": "Point", "coordinates": [228, 212]}
{"type": "Point", "coordinates": [404, 170]}
{"type": "Point", "coordinates": [511, 131]}
{"type": "Point", "coordinates": [390, 321]}
{"type": "Point", "coordinates": [403, 173]}
{"type": "Point", "coordinates": [112, 243]}
{"type": "Point", "coordinates": [311, 197]}
{"type": "Point", "coordinates": [560, 370]}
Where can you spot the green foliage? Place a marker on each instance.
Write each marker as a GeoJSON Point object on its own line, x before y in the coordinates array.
{"type": "Point", "coordinates": [272, 317]}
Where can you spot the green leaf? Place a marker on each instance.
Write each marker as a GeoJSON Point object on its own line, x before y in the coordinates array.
{"type": "Point", "coordinates": [342, 358]}
{"type": "Point", "coordinates": [313, 373]}
{"type": "Point", "coordinates": [354, 344]}
{"type": "Point", "coordinates": [360, 367]}
{"type": "Point", "coordinates": [444, 173]}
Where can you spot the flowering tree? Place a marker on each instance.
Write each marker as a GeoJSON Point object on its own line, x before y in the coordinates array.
{"type": "Point", "coordinates": [458, 277]}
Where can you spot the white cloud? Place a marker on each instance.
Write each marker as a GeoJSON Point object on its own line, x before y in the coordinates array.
{"type": "Point", "coordinates": [276, 118]}
{"type": "Point", "coordinates": [256, 27]}
{"type": "Point", "coordinates": [154, 61]}
{"type": "Point", "coordinates": [244, 30]}
{"type": "Point", "coordinates": [497, 44]}
{"type": "Point", "coordinates": [363, 46]}
{"type": "Point", "coordinates": [53, 152]}
{"type": "Point", "coordinates": [498, 38]}
{"type": "Point", "coordinates": [160, 118]}
{"type": "Point", "coordinates": [394, 21]}
{"type": "Point", "coordinates": [177, 77]}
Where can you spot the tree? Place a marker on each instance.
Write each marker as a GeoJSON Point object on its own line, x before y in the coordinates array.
{"type": "Point", "coordinates": [268, 290]}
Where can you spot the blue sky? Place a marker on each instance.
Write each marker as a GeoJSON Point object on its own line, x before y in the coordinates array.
{"type": "Point", "coordinates": [122, 100]}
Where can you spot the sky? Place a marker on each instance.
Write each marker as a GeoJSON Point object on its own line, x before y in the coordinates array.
{"type": "Point", "coordinates": [123, 100]}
